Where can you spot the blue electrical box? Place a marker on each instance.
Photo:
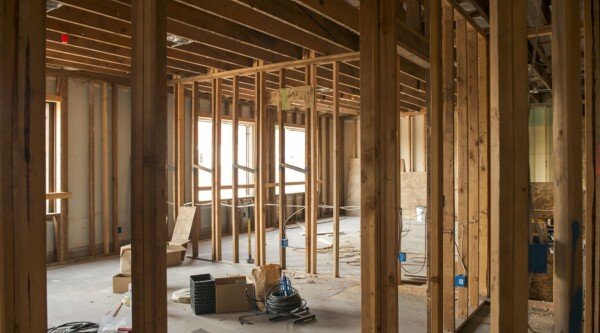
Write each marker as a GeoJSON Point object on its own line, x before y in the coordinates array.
{"type": "Point", "coordinates": [538, 258]}
{"type": "Point", "coordinates": [284, 242]}
{"type": "Point", "coordinates": [460, 281]}
{"type": "Point", "coordinates": [402, 257]}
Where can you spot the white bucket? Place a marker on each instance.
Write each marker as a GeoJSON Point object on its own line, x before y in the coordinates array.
{"type": "Point", "coordinates": [421, 212]}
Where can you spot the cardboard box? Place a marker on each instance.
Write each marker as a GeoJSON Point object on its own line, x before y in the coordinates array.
{"type": "Point", "coordinates": [176, 248]}
{"type": "Point", "coordinates": [121, 283]}
{"type": "Point", "coordinates": [230, 294]}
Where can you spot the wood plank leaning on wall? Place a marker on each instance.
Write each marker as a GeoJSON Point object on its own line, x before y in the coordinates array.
{"type": "Point", "coordinates": [22, 167]}
{"type": "Point", "coordinates": [379, 155]}
{"type": "Point", "coordinates": [149, 156]}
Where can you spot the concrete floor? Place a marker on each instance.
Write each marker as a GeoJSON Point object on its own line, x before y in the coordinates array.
{"type": "Point", "coordinates": [83, 292]}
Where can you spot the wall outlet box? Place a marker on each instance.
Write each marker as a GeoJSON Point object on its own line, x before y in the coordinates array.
{"type": "Point", "coordinates": [119, 229]}
{"type": "Point", "coordinates": [460, 281]}
{"type": "Point", "coordinates": [284, 242]}
{"type": "Point", "coordinates": [402, 257]}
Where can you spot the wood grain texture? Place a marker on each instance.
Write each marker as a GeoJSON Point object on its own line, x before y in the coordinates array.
{"type": "Point", "coordinates": [509, 182]}
{"type": "Point", "coordinates": [91, 172]}
{"type": "Point", "coordinates": [473, 167]}
{"type": "Point", "coordinates": [22, 168]}
{"type": "Point", "coordinates": [462, 160]}
{"type": "Point", "coordinates": [335, 181]}
{"type": "Point", "coordinates": [379, 155]}
{"type": "Point", "coordinates": [115, 167]}
{"type": "Point", "coordinates": [106, 226]}
{"type": "Point", "coordinates": [235, 227]}
{"type": "Point", "coordinates": [149, 157]}
{"type": "Point", "coordinates": [448, 181]}
{"type": "Point", "coordinates": [195, 172]}
{"type": "Point", "coordinates": [567, 155]}
{"type": "Point", "coordinates": [281, 115]}
{"type": "Point", "coordinates": [63, 90]}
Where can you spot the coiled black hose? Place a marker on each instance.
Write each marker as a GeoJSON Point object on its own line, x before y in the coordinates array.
{"type": "Point", "coordinates": [278, 303]}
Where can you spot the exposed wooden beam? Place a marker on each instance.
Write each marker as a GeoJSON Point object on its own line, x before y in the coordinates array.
{"type": "Point", "coordinates": [115, 166]}
{"type": "Point", "coordinates": [473, 167]}
{"type": "Point", "coordinates": [149, 150]}
{"type": "Point", "coordinates": [379, 156]}
{"type": "Point", "coordinates": [216, 169]}
{"type": "Point", "coordinates": [91, 172]}
{"type": "Point", "coordinates": [509, 158]}
{"type": "Point", "coordinates": [335, 182]}
{"type": "Point", "coordinates": [106, 227]}
{"type": "Point", "coordinates": [196, 227]}
{"type": "Point", "coordinates": [235, 223]}
{"type": "Point", "coordinates": [63, 91]}
{"type": "Point", "coordinates": [22, 168]}
{"type": "Point", "coordinates": [568, 230]}
{"type": "Point", "coordinates": [448, 231]}
{"type": "Point", "coordinates": [282, 198]}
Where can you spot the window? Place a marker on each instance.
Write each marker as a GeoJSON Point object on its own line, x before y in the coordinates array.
{"type": "Point", "coordinates": [245, 137]}
{"type": "Point", "coordinates": [294, 155]}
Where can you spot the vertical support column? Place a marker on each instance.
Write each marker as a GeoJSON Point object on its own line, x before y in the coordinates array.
{"type": "Point", "coordinates": [462, 160]}
{"type": "Point", "coordinates": [473, 166]}
{"type": "Point", "coordinates": [63, 87]}
{"type": "Point", "coordinates": [591, 254]}
{"type": "Point", "coordinates": [91, 171]}
{"type": "Point", "coordinates": [447, 106]}
{"type": "Point", "coordinates": [216, 168]}
{"type": "Point", "coordinates": [261, 168]}
{"type": "Point", "coordinates": [336, 184]}
{"type": "Point", "coordinates": [595, 63]}
{"type": "Point", "coordinates": [180, 110]}
{"type": "Point", "coordinates": [379, 155]}
{"type": "Point", "coordinates": [149, 156]}
{"type": "Point", "coordinates": [399, 168]}
{"type": "Point", "coordinates": [115, 166]}
{"type": "Point", "coordinates": [307, 179]}
{"type": "Point", "coordinates": [235, 227]}
{"type": "Point", "coordinates": [282, 201]}
{"type": "Point", "coordinates": [314, 173]}
{"type": "Point", "coordinates": [22, 167]}
{"type": "Point", "coordinates": [195, 172]}
{"type": "Point", "coordinates": [509, 158]}
{"type": "Point", "coordinates": [484, 168]}
{"type": "Point", "coordinates": [438, 43]}
{"type": "Point", "coordinates": [175, 152]}
{"type": "Point", "coordinates": [105, 172]}
{"type": "Point", "coordinates": [566, 102]}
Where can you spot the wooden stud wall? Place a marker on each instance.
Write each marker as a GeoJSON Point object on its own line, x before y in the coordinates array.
{"type": "Point", "coordinates": [282, 198]}
{"type": "Point", "coordinates": [115, 167]}
{"type": "Point", "coordinates": [106, 226]}
{"type": "Point", "coordinates": [91, 171]}
{"type": "Point", "coordinates": [235, 227]}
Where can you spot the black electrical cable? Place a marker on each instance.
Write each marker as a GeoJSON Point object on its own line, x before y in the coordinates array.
{"type": "Point", "coordinates": [278, 303]}
{"type": "Point", "coordinates": [75, 327]}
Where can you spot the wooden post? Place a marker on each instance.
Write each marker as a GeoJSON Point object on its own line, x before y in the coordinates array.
{"type": "Point", "coordinates": [447, 148]}
{"type": "Point", "coordinates": [336, 184]}
{"type": "Point", "coordinates": [462, 160]}
{"type": "Point", "coordinates": [180, 166]}
{"type": "Point", "coordinates": [379, 155]}
{"type": "Point", "coordinates": [484, 169]}
{"type": "Point", "coordinates": [63, 253]}
{"type": "Point", "coordinates": [439, 35]}
{"type": "Point", "coordinates": [91, 171]}
{"type": "Point", "coordinates": [235, 227]}
{"type": "Point", "coordinates": [509, 158]}
{"type": "Point", "coordinates": [566, 101]}
{"type": "Point", "coordinates": [261, 168]}
{"type": "Point", "coordinates": [473, 167]}
{"type": "Point", "coordinates": [216, 170]}
{"type": "Point", "coordinates": [399, 169]}
{"type": "Point", "coordinates": [22, 167]}
{"type": "Point", "coordinates": [106, 227]}
{"type": "Point", "coordinates": [595, 247]}
{"type": "Point", "coordinates": [174, 153]}
{"type": "Point", "coordinates": [307, 179]}
{"type": "Point", "coordinates": [409, 126]}
{"type": "Point", "coordinates": [51, 153]}
{"type": "Point", "coordinates": [282, 200]}
{"type": "Point", "coordinates": [590, 189]}
{"type": "Point", "coordinates": [115, 167]}
{"type": "Point", "coordinates": [195, 172]}
{"type": "Point", "coordinates": [149, 150]}
{"type": "Point", "coordinates": [314, 174]}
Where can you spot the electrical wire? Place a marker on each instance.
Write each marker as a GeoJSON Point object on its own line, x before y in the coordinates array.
{"type": "Point", "coordinates": [279, 304]}
{"type": "Point", "coordinates": [75, 327]}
